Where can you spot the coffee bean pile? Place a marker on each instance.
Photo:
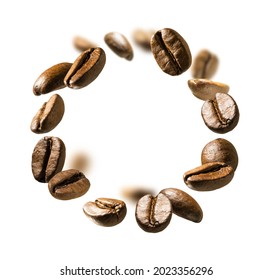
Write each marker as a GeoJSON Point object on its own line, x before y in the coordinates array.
{"type": "Point", "coordinates": [219, 158]}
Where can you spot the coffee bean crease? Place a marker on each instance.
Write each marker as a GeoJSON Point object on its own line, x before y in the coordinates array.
{"type": "Point", "coordinates": [66, 182]}
{"type": "Point", "coordinates": [165, 49]}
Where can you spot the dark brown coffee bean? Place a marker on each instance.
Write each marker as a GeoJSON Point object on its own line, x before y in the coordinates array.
{"type": "Point", "coordinates": [153, 214]}
{"type": "Point", "coordinates": [106, 212]}
{"type": "Point", "coordinates": [142, 38]}
{"type": "Point", "coordinates": [204, 65]}
{"type": "Point", "coordinates": [184, 205]}
{"type": "Point", "coordinates": [86, 68]}
{"type": "Point", "coordinates": [220, 150]}
{"type": "Point", "coordinates": [119, 44]}
{"type": "Point", "coordinates": [51, 79]}
{"type": "Point", "coordinates": [171, 51]}
{"type": "Point", "coordinates": [220, 114]}
{"type": "Point", "coordinates": [82, 44]}
{"type": "Point", "coordinates": [48, 158]}
{"type": "Point", "coordinates": [206, 89]}
{"type": "Point", "coordinates": [49, 115]}
{"type": "Point", "coordinates": [68, 184]}
{"type": "Point", "coordinates": [209, 176]}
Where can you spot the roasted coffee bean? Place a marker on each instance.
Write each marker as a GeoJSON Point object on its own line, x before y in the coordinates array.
{"type": "Point", "coordinates": [68, 184]}
{"type": "Point", "coordinates": [220, 114]}
{"type": "Point", "coordinates": [204, 65]}
{"type": "Point", "coordinates": [80, 161]}
{"type": "Point", "coordinates": [48, 158]}
{"type": "Point", "coordinates": [153, 214]}
{"type": "Point", "coordinates": [51, 79]}
{"type": "Point", "coordinates": [171, 51]}
{"type": "Point", "coordinates": [206, 89]}
{"type": "Point", "coordinates": [134, 193]}
{"type": "Point", "coordinates": [106, 212]}
{"type": "Point", "coordinates": [82, 44]}
{"type": "Point", "coordinates": [49, 115]}
{"type": "Point", "coordinates": [209, 176]}
{"type": "Point", "coordinates": [142, 38]}
{"type": "Point", "coordinates": [119, 44]}
{"type": "Point", "coordinates": [86, 68]}
{"type": "Point", "coordinates": [183, 204]}
{"type": "Point", "coordinates": [220, 150]}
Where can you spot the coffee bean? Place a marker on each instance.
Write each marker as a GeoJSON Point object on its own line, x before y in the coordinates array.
{"type": "Point", "coordinates": [204, 65]}
{"type": "Point", "coordinates": [183, 204]}
{"type": "Point", "coordinates": [134, 193]}
{"type": "Point", "coordinates": [171, 51]}
{"type": "Point", "coordinates": [220, 114]}
{"type": "Point", "coordinates": [48, 158]}
{"type": "Point", "coordinates": [80, 161]}
{"type": "Point", "coordinates": [106, 212]}
{"type": "Point", "coordinates": [153, 214]}
{"type": "Point", "coordinates": [51, 79]}
{"type": "Point", "coordinates": [86, 68]}
{"type": "Point", "coordinates": [82, 44]}
{"type": "Point", "coordinates": [220, 150]}
{"type": "Point", "coordinates": [119, 44]}
{"type": "Point", "coordinates": [142, 38]}
{"type": "Point", "coordinates": [209, 176]}
{"type": "Point", "coordinates": [206, 89]}
{"type": "Point", "coordinates": [49, 115]}
{"type": "Point", "coordinates": [68, 184]}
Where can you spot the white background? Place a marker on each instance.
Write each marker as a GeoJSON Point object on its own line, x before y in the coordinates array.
{"type": "Point", "coordinates": [139, 126]}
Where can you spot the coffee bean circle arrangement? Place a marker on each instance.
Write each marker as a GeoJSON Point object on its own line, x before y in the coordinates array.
{"type": "Point", "coordinates": [219, 158]}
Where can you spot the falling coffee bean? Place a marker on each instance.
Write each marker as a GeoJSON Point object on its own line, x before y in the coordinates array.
{"type": "Point", "coordinates": [220, 114]}
{"type": "Point", "coordinates": [51, 79]}
{"type": "Point", "coordinates": [153, 214]}
{"type": "Point", "coordinates": [82, 44]}
{"type": "Point", "coordinates": [134, 193]}
{"type": "Point", "coordinates": [220, 150]}
{"type": "Point", "coordinates": [68, 184]}
{"type": "Point", "coordinates": [48, 158]}
{"type": "Point", "coordinates": [171, 51]}
{"type": "Point", "coordinates": [106, 212]}
{"type": "Point", "coordinates": [119, 44]}
{"type": "Point", "coordinates": [86, 68]}
{"type": "Point", "coordinates": [209, 176]}
{"type": "Point", "coordinates": [80, 161]}
{"type": "Point", "coordinates": [49, 115]}
{"type": "Point", "coordinates": [206, 89]}
{"type": "Point", "coordinates": [142, 38]}
{"type": "Point", "coordinates": [183, 204]}
{"type": "Point", "coordinates": [204, 65]}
